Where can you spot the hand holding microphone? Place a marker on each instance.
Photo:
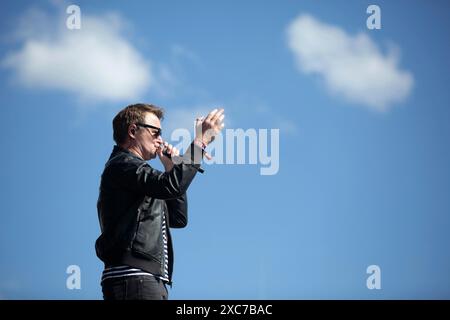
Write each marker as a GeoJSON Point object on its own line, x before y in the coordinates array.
{"type": "Point", "coordinates": [165, 153]}
{"type": "Point", "coordinates": [168, 150]}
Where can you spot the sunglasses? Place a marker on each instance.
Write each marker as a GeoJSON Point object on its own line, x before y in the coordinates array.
{"type": "Point", "coordinates": [158, 130]}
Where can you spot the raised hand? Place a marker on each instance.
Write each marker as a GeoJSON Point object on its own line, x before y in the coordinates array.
{"type": "Point", "coordinates": [207, 128]}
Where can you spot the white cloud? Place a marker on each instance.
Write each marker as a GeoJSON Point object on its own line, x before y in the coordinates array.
{"type": "Point", "coordinates": [351, 66]}
{"type": "Point", "coordinates": [95, 62]}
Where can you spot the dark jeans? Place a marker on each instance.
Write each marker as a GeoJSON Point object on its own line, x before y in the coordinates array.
{"type": "Point", "coordinates": [134, 288]}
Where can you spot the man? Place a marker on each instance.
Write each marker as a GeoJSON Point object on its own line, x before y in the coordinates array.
{"type": "Point", "coordinates": [138, 204]}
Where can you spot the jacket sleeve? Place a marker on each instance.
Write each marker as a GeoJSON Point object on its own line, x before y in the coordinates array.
{"type": "Point", "coordinates": [177, 208]}
{"type": "Point", "coordinates": [144, 179]}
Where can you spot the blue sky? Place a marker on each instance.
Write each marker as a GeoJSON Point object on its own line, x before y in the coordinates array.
{"type": "Point", "coordinates": [364, 155]}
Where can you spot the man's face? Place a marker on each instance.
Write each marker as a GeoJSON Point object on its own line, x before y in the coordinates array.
{"type": "Point", "coordinates": [147, 139]}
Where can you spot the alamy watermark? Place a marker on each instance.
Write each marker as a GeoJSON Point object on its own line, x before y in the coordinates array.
{"type": "Point", "coordinates": [374, 280]}
{"type": "Point", "coordinates": [374, 20]}
{"type": "Point", "coordinates": [73, 281]}
{"type": "Point", "coordinates": [239, 146]}
{"type": "Point", "coordinates": [73, 21]}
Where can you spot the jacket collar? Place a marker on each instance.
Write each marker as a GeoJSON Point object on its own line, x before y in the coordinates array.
{"type": "Point", "coordinates": [118, 149]}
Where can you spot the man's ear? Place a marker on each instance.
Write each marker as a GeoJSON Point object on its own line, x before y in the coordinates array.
{"type": "Point", "coordinates": [132, 130]}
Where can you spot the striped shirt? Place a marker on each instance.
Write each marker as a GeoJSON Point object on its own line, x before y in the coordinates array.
{"type": "Point", "coordinates": [165, 248]}
{"type": "Point", "coordinates": [127, 271]}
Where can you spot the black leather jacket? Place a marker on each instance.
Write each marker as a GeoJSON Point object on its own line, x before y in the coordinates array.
{"type": "Point", "coordinates": [132, 199]}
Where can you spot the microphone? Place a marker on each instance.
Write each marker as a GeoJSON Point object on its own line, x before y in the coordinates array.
{"type": "Point", "coordinates": [166, 153]}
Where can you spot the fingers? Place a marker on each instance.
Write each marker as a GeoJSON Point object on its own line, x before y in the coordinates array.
{"type": "Point", "coordinates": [216, 116]}
{"type": "Point", "coordinates": [171, 149]}
{"type": "Point", "coordinates": [210, 115]}
{"type": "Point", "coordinates": [219, 121]}
{"type": "Point", "coordinates": [199, 124]}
